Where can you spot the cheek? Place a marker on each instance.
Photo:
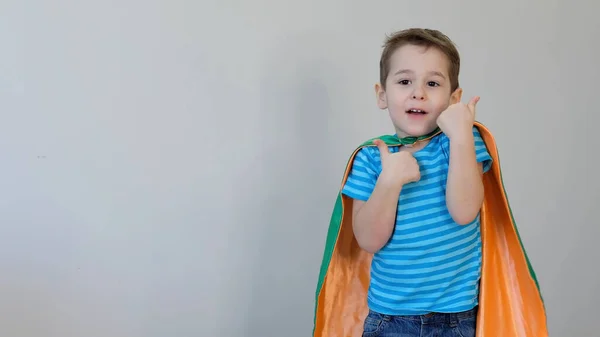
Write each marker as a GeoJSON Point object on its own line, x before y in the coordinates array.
{"type": "Point", "coordinates": [441, 106]}
{"type": "Point", "coordinates": [440, 101]}
{"type": "Point", "coordinates": [396, 96]}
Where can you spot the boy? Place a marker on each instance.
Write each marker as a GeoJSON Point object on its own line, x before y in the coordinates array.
{"type": "Point", "coordinates": [413, 203]}
{"type": "Point", "coordinates": [416, 207]}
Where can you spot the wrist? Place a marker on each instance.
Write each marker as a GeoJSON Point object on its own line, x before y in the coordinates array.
{"type": "Point", "coordinates": [462, 139]}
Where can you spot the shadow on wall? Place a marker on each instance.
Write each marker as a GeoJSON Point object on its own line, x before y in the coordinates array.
{"type": "Point", "coordinates": [288, 232]}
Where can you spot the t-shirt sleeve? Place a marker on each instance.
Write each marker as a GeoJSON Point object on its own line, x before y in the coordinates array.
{"type": "Point", "coordinates": [481, 151]}
{"type": "Point", "coordinates": [362, 177]}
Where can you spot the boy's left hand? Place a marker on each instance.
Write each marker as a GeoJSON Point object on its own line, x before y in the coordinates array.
{"type": "Point", "coordinates": [458, 119]}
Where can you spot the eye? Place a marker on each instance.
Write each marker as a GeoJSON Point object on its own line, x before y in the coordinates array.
{"type": "Point", "coordinates": [433, 84]}
{"type": "Point", "coordinates": [404, 82]}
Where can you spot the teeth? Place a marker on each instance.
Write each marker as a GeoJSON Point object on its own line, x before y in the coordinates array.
{"type": "Point", "coordinates": [416, 110]}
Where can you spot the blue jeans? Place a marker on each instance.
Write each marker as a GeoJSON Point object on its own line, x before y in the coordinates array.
{"type": "Point", "coordinates": [460, 324]}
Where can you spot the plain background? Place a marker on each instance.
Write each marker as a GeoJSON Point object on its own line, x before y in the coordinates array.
{"type": "Point", "coordinates": [168, 168]}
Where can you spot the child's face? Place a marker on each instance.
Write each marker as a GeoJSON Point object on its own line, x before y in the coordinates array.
{"type": "Point", "coordinates": [418, 80]}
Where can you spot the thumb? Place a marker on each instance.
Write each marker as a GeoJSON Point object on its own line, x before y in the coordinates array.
{"type": "Point", "coordinates": [473, 103]}
{"type": "Point", "coordinates": [383, 149]}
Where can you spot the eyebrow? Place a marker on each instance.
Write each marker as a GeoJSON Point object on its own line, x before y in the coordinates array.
{"type": "Point", "coordinates": [407, 71]}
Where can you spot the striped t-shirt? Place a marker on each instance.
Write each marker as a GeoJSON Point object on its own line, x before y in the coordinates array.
{"type": "Point", "coordinates": [431, 263]}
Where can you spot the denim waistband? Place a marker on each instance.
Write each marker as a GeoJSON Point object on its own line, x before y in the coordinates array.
{"type": "Point", "coordinates": [436, 317]}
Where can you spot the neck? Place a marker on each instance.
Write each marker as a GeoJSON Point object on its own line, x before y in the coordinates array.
{"type": "Point", "coordinates": [410, 140]}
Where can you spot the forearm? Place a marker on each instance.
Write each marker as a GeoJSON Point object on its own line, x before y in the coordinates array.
{"type": "Point", "coordinates": [464, 190]}
{"type": "Point", "coordinates": [374, 222]}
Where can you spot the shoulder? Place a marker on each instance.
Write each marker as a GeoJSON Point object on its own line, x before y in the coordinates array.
{"type": "Point", "coordinates": [367, 150]}
{"type": "Point", "coordinates": [477, 134]}
{"type": "Point", "coordinates": [367, 156]}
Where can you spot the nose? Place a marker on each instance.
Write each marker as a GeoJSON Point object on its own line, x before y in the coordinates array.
{"type": "Point", "coordinates": [419, 93]}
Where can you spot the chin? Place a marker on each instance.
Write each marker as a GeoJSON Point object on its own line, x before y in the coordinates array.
{"type": "Point", "coordinates": [417, 130]}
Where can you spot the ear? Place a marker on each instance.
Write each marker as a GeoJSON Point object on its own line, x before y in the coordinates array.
{"type": "Point", "coordinates": [381, 97]}
{"type": "Point", "coordinates": [456, 96]}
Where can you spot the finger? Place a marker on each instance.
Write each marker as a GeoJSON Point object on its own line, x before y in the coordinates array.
{"type": "Point", "coordinates": [383, 149]}
{"type": "Point", "coordinates": [472, 104]}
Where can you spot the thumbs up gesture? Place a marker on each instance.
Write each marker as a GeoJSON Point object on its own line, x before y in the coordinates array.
{"type": "Point", "coordinates": [398, 168]}
{"type": "Point", "coordinates": [458, 119]}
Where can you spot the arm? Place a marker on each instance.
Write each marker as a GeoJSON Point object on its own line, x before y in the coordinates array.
{"type": "Point", "coordinates": [376, 196]}
{"type": "Point", "coordinates": [468, 160]}
{"type": "Point", "coordinates": [373, 221]}
{"type": "Point", "coordinates": [464, 190]}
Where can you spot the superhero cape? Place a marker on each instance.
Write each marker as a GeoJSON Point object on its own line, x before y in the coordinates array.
{"type": "Point", "coordinates": [510, 301]}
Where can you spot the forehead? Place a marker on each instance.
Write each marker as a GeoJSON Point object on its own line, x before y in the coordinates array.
{"type": "Point", "coordinates": [419, 59]}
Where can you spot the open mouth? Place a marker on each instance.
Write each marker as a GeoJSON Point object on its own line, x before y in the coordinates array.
{"type": "Point", "coordinates": [416, 112]}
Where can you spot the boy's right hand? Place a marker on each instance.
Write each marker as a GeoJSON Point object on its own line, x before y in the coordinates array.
{"type": "Point", "coordinates": [398, 168]}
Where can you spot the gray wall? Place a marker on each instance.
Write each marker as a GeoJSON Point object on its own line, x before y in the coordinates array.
{"type": "Point", "coordinates": [158, 176]}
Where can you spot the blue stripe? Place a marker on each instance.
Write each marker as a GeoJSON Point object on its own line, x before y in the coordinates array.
{"type": "Point", "coordinates": [430, 193]}
{"type": "Point", "coordinates": [362, 185]}
{"type": "Point", "coordinates": [423, 208]}
{"type": "Point", "coordinates": [457, 290]}
{"type": "Point", "coordinates": [392, 246]}
{"type": "Point", "coordinates": [425, 289]}
{"type": "Point", "coordinates": [428, 226]}
{"type": "Point", "coordinates": [414, 272]}
{"type": "Point", "coordinates": [431, 260]}
{"type": "Point", "coordinates": [439, 251]}
{"type": "Point", "coordinates": [440, 214]}
{"type": "Point", "coordinates": [467, 272]}
{"type": "Point", "coordinates": [423, 185]}
{"type": "Point", "coordinates": [437, 235]}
